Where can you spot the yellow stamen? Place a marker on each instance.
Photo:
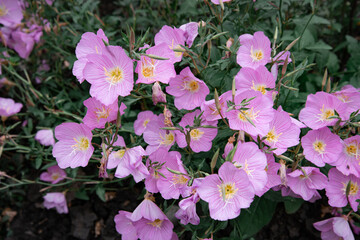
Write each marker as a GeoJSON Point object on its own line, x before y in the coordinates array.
{"type": "Point", "coordinates": [227, 190]}
{"type": "Point", "coordinates": [190, 85]}
{"type": "Point", "coordinates": [148, 68]}
{"type": "Point", "coordinates": [256, 55]}
{"type": "Point", "coordinates": [249, 113]}
{"type": "Point", "coordinates": [259, 87]}
{"type": "Point", "coordinates": [3, 10]}
{"type": "Point", "coordinates": [196, 134]}
{"type": "Point", "coordinates": [325, 114]}
{"type": "Point", "coordinates": [179, 179]}
{"type": "Point", "coordinates": [168, 139]}
{"type": "Point", "coordinates": [157, 223]}
{"type": "Point", "coordinates": [104, 112]}
{"type": "Point", "coordinates": [146, 122]}
{"type": "Point", "coordinates": [272, 137]}
{"type": "Point", "coordinates": [319, 146]}
{"type": "Point", "coordinates": [82, 144]}
{"type": "Point", "coordinates": [120, 153]}
{"type": "Point", "coordinates": [115, 75]}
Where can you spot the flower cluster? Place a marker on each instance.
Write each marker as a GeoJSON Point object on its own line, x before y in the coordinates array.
{"type": "Point", "coordinates": [265, 138]}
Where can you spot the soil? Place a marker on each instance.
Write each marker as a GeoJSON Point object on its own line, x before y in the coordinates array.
{"type": "Point", "coordinates": [93, 219]}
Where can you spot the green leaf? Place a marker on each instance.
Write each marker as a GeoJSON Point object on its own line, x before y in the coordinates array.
{"type": "Point", "coordinates": [82, 195]}
{"type": "Point", "coordinates": [259, 214]}
{"type": "Point", "coordinates": [100, 191]}
{"type": "Point", "coordinates": [320, 45]}
{"type": "Point", "coordinates": [38, 162]}
{"type": "Point", "coordinates": [292, 205]}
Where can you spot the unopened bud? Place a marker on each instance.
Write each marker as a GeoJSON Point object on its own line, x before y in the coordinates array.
{"type": "Point", "coordinates": [158, 95]}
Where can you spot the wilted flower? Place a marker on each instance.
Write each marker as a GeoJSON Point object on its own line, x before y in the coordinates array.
{"type": "Point", "coordinates": [8, 107]}
{"type": "Point", "coordinates": [45, 137]}
{"type": "Point", "coordinates": [56, 200]}
{"type": "Point", "coordinates": [157, 94]}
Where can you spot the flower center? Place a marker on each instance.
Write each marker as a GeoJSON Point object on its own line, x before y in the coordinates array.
{"type": "Point", "coordinates": [3, 10]}
{"type": "Point", "coordinates": [272, 137]}
{"type": "Point", "coordinates": [259, 87]}
{"type": "Point", "coordinates": [354, 188]}
{"type": "Point", "coordinates": [326, 113]}
{"type": "Point", "coordinates": [227, 191]}
{"type": "Point", "coordinates": [196, 134]}
{"type": "Point", "coordinates": [352, 150]}
{"type": "Point", "coordinates": [319, 146]}
{"type": "Point", "coordinates": [248, 114]}
{"type": "Point", "coordinates": [146, 122]}
{"type": "Point", "coordinates": [115, 75]}
{"type": "Point", "coordinates": [82, 144]}
{"type": "Point", "coordinates": [168, 139]}
{"type": "Point", "coordinates": [191, 86]}
{"type": "Point", "coordinates": [157, 223]}
{"type": "Point", "coordinates": [120, 153]}
{"type": "Point", "coordinates": [256, 55]}
{"type": "Point", "coordinates": [179, 179]}
{"type": "Point", "coordinates": [55, 176]}
{"type": "Point", "coordinates": [104, 112]}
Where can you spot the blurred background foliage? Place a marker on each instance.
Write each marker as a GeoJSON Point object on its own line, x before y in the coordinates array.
{"type": "Point", "coordinates": [329, 34]}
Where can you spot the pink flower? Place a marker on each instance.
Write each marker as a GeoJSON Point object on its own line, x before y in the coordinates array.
{"type": "Point", "coordinates": [128, 161]}
{"type": "Point", "coordinates": [8, 107]}
{"type": "Point", "coordinates": [89, 44]}
{"type": "Point", "coordinates": [200, 137]}
{"type": "Point", "coordinates": [258, 79]}
{"type": "Point", "coordinates": [260, 112]}
{"type": "Point", "coordinates": [305, 182]}
{"type": "Point", "coordinates": [334, 228]}
{"type": "Point", "coordinates": [272, 170]}
{"type": "Point", "coordinates": [125, 226]}
{"type": "Point", "coordinates": [173, 37]}
{"type": "Point", "coordinates": [53, 174]}
{"type": "Point", "coordinates": [157, 229]}
{"type": "Point", "coordinates": [350, 96]}
{"type": "Point", "coordinates": [282, 134]}
{"type": "Point", "coordinates": [337, 189]}
{"type": "Point", "coordinates": [254, 50]}
{"type": "Point", "coordinates": [319, 108]}
{"type": "Point", "coordinates": [189, 91]}
{"type": "Point", "coordinates": [173, 184]}
{"type": "Point", "coordinates": [157, 163]}
{"type": "Point", "coordinates": [187, 212]}
{"type": "Point", "coordinates": [227, 192]}
{"type": "Point", "coordinates": [110, 74]}
{"type": "Point", "coordinates": [148, 209]}
{"type": "Point", "coordinates": [56, 200]}
{"type": "Point", "coordinates": [151, 70]}
{"type": "Point", "coordinates": [98, 114]}
{"type": "Point", "coordinates": [209, 107]}
{"type": "Point", "coordinates": [10, 12]}
{"type": "Point", "coordinates": [249, 158]}
{"type": "Point", "coordinates": [74, 147]}
{"type": "Point", "coordinates": [142, 121]}
{"type": "Point", "coordinates": [22, 43]}
{"type": "Point", "coordinates": [158, 95]}
{"type": "Point", "coordinates": [191, 31]}
{"type": "Point", "coordinates": [321, 146]}
{"type": "Point", "coordinates": [45, 137]}
{"type": "Point", "coordinates": [157, 137]}
{"type": "Point", "coordinates": [349, 158]}
{"type": "Point", "coordinates": [217, 2]}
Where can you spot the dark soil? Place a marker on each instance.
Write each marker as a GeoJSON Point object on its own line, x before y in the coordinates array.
{"type": "Point", "coordinates": [94, 219]}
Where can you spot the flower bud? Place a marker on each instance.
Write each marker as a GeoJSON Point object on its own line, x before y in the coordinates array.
{"type": "Point", "coordinates": [158, 95]}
